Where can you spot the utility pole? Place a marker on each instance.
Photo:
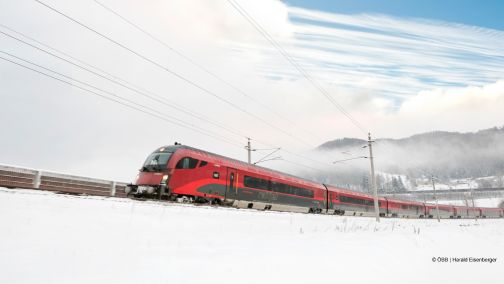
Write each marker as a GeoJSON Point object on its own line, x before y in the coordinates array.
{"type": "Point", "coordinates": [249, 151]}
{"type": "Point", "coordinates": [435, 198]}
{"type": "Point", "coordinates": [373, 179]}
{"type": "Point", "coordinates": [472, 199]}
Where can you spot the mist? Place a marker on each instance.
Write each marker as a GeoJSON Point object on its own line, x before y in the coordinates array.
{"type": "Point", "coordinates": [445, 155]}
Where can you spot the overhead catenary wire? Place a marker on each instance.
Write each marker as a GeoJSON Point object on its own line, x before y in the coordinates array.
{"type": "Point", "coordinates": [61, 52]}
{"type": "Point", "coordinates": [180, 122]}
{"type": "Point", "coordinates": [349, 159]}
{"type": "Point", "coordinates": [116, 99]}
{"type": "Point", "coordinates": [303, 165]}
{"type": "Point", "coordinates": [153, 96]}
{"type": "Point", "coordinates": [201, 67]}
{"type": "Point", "coordinates": [175, 74]}
{"type": "Point", "coordinates": [114, 76]}
{"type": "Point", "coordinates": [300, 156]}
{"type": "Point", "coordinates": [293, 62]}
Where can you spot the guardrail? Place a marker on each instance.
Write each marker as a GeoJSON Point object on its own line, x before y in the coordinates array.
{"type": "Point", "coordinates": [448, 195]}
{"type": "Point", "coordinates": [17, 177]}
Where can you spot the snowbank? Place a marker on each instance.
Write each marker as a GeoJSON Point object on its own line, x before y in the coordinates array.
{"type": "Point", "coordinates": [50, 238]}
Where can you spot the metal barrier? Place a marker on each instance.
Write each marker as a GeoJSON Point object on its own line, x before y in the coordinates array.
{"type": "Point", "coordinates": [428, 196]}
{"type": "Point", "coordinates": [17, 177]}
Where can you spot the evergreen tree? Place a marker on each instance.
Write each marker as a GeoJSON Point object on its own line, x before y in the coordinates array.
{"type": "Point", "coordinates": [395, 185]}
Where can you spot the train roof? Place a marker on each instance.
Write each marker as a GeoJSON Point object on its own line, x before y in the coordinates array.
{"type": "Point", "coordinates": [242, 165]}
{"type": "Point", "coordinates": [281, 175]}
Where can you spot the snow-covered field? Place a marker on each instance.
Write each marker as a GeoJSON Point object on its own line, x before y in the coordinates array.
{"type": "Point", "coordinates": [482, 202]}
{"type": "Point", "coordinates": [50, 238]}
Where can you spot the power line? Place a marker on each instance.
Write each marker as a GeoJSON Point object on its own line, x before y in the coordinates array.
{"type": "Point", "coordinates": [114, 76]}
{"type": "Point", "coordinates": [349, 159]}
{"type": "Point", "coordinates": [303, 165]}
{"type": "Point", "coordinates": [117, 99]}
{"type": "Point", "coordinates": [180, 122]}
{"type": "Point", "coordinates": [164, 68]}
{"type": "Point", "coordinates": [293, 62]}
{"type": "Point", "coordinates": [201, 67]}
{"type": "Point", "coordinates": [150, 95]}
{"type": "Point", "coordinates": [63, 53]}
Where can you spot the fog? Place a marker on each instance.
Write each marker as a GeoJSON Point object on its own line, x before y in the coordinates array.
{"type": "Point", "coordinates": [446, 155]}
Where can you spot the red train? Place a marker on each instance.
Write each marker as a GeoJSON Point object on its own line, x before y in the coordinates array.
{"type": "Point", "coordinates": [187, 174]}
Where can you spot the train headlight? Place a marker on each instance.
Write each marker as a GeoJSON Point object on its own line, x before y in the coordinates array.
{"type": "Point", "coordinates": [150, 190]}
{"type": "Point", "coordinates": [165, 178]}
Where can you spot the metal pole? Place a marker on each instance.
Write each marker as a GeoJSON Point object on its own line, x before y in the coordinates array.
{"type": "Point", "coordinates": [249, 150]}
{"type": "Point", "coordinates": [472, 199]}
{"type": "Point", "coordinates": [373, 179]}
{"type": "Point", "coordinates": [112, 188]}
{"type": "Point", "coordinates": [435, 198]}
{"type": "Point", "coordinates": [37, 179]}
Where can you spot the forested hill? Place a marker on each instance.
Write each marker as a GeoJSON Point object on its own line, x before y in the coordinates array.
{"type": "Point", "coordinates": [446, 154]}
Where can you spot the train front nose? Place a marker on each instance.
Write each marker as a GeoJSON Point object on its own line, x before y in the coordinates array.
{"type": "Point", "coordinates": [148, 184]}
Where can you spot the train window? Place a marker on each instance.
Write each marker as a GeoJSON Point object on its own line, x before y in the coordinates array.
{"type": "Point", "coordinates": [256, 183]}
{"type": "Point", "coordinates": [358, 201]}
{"type": "Point", "coordinates": [302, 192]}
{"type": "Point", "coordinates": [281, 187]}
{"type": "Point", "coordinates": [276, 187]}
{"type": "Point", "coordinates": [203, 163]}
{"type": "Point", "coordinates": [186, 163]}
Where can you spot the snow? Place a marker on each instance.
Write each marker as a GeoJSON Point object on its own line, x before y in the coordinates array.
{"type": "Point", "coordinates": [482, 202]}
{"type": "Point", "coordinates": [464, 183]}
{"type": "Point", "coordinates": [51, 238]}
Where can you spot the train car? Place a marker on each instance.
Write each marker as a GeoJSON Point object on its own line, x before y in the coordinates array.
{"type": "Point", "coordinates": [491, 212]}
{"type": "Point", "coordinates": [473, 212]}
{"type": "Point", "coordinates": [187, 174]}
{"type": "Point", "coordinates": [405, 209]}
{"type": "Point", "coordinates": [467, 212]}
{"type": "Point", "coordinates": [460, 212]}
{"type": "Point", "coordinates": [346, 202]}
{"type": "Point", "coordinates": [181, 172]}
{"type": "Point", "coordinates": [445, 211]}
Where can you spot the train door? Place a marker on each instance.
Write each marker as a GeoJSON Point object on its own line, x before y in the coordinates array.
{"type": "Point", "coordinates": [231, 184]}
{"type": "Point", "coordinates": [329, 199]}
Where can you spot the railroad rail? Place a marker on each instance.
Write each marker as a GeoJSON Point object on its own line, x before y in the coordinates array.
{"type": "Point", "coordinates": [19, 177]}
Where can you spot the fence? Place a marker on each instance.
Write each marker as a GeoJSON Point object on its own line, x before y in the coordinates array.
{"type": "Point", "coordinates": [17, 177]}
{"type": "Point", "coordinates": [427, 196]}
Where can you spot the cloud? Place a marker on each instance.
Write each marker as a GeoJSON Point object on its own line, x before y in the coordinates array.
{"type": "Point", "coordinates": [456, 109]}
{"type": "Point", "coordinates": [380, 68]}
{"type": "Point", "coordinates": [468, 99]}
{"type": "Point", "coordinates": [390, 56]}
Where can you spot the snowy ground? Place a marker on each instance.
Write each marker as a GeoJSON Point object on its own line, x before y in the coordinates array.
{"type": "Point", "coordinates": [49, 238]}
{"type": "Point", "coordinates": [465, 183]}
{"type": "Point", "coordinates": [482, 202]}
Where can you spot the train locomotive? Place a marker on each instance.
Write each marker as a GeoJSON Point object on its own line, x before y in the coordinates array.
{"type": "Point", "coordinates": [186, 174]}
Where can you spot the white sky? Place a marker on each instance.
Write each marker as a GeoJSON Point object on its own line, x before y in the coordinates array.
{"type": "Point", "coordinates": [396, 76]}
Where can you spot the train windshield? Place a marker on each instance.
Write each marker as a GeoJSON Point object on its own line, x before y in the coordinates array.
{"type": "Point", "coordinates": [156, 162]}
